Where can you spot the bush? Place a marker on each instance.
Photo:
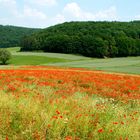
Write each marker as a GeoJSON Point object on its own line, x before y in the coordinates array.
{"type": "Point", "coordinates": [5, 55]}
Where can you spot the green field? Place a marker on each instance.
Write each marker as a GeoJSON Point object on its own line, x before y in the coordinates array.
{"type": "Point", "coordinates": [124, 65]}
{"type": "Point", "coordinates": [34, 60]}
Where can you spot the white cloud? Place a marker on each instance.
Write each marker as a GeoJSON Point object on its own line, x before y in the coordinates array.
{"type": "Point", "coordinates": [8, 2]}
{"type": "Point", "coordinates": [27, 16]}
{"type": "Point", "coordinates": [33, 13]}
{"type": "Point", "coordinates": [31, 17]}
{"type": "Point", "coordinates": [42, 2]}
{"type": "Point", "coordinates": [34, 16]}
{"type": "Point", "coordinates": [8, 7]}
{"type": "Point", "coordinates": [137, 17]}
{"type": "Point", "coordinates": [108, 14]}
{"type": "Point", "coordinates": [59, 18]}
{"type": "Point", "coordinates": [73, 11]}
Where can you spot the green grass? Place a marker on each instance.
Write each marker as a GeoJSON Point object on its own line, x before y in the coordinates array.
{"type": "Point", "coordinates": [13, 49]}
{"type": "Point", "coordinates": [123, 65]}
{"type": "Point", "coordinates": [30, 120]}
{"type": "Point", "coordinates": [34, 60]}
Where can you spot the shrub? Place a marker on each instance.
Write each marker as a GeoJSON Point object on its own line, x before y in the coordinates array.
{"type": "Point", "coordinates": [5, 55]}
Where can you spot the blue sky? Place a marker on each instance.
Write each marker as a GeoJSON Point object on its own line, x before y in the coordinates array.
{"type": "Point", "coordinates": [44, 13]}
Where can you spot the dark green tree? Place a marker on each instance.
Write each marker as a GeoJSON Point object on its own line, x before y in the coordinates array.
{"type": "Point", "coordinates": [5, 55]}
{"type": "Point", "coordinates": [93, 39]}
{"type": "Point", "coordinates": [10, 36]}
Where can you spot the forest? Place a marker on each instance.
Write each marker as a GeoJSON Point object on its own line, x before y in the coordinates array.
{"type": "Point", "coordinates": [10, 36]}
{"type": "Point", "coordinates": [92, 39]}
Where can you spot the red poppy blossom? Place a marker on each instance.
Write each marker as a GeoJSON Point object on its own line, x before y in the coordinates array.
{"type": "Point", "coordinates": [100, 130]}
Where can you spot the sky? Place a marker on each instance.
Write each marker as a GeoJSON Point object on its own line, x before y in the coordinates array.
{"type": "Point", "coordinates": [45, 13]}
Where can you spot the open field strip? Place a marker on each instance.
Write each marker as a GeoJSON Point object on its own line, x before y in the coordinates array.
{"type": "Point", "coordinates": [121, 65]}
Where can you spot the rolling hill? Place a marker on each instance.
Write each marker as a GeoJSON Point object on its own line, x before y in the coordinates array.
{"type": "Point", "coordinates": [10, 36]}
{"type": "Point", "coordinates": [92, 39]}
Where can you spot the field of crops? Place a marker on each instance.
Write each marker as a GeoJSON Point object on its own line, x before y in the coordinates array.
{"type": "Point", "coordinates": [51, 103]}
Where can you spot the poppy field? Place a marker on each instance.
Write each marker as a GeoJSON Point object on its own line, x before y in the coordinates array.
{"type": "Point", "coordinates": [52, 103]}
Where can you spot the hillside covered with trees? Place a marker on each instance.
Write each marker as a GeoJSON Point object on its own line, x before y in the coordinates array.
{"type": "Point", "coordinates": [10, 36]}
{"type": "Point", "coordinates": [93, 39]}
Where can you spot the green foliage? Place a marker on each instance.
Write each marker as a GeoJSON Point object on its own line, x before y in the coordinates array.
{"type": "Point", "coordinates": [5, 55]}
{"type": "Point", "coordinates": [93, 39]}
{"type": "Point", "coordinates": [10, 35]}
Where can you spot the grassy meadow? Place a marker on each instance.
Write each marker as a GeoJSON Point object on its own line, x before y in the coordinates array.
{"type": "Point", "coordinates": [43, 99]}
{"type": "Point", "coordinates": [51, 103]}
{"type": "Point", "coordinates": [123, 65]}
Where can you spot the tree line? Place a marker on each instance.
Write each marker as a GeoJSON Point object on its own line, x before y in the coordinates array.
{"type": "Point", "coordinates": [10, 36]}
{"type": "Point", "coordinates": [92, 39]}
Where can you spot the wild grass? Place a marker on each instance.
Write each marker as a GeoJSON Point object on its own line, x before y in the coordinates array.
{"type": "Point", "coordinates": [76, 117]}
{"type": "Point", "coordinates": [18, 60]}
{"type": "Point", "coordinates": [68, 105]}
